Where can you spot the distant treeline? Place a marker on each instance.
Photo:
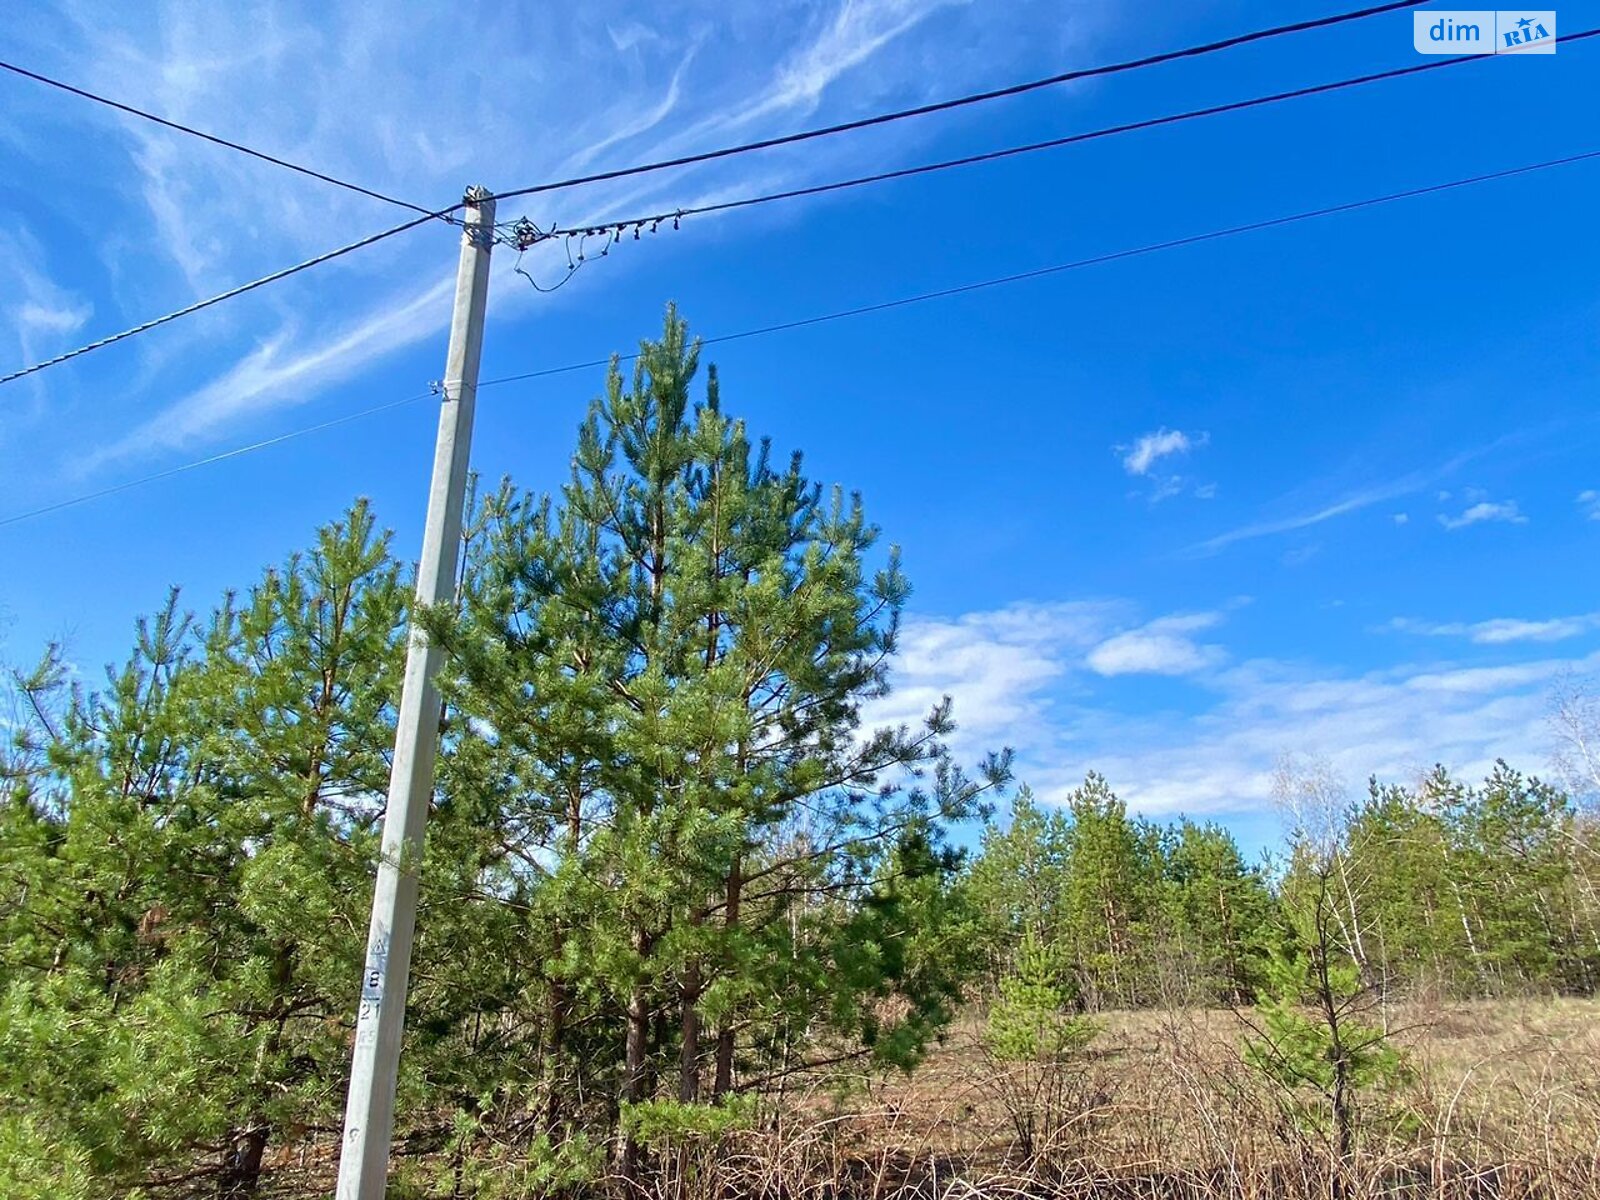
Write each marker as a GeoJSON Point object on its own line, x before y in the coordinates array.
{"type": "Point", "coordinates": [1455, 889]}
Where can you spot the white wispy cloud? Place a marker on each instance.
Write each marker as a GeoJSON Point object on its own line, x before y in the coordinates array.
{"type": "Point", "coordinates": [40, 313]}
{"type": "Point", "coordinates": [857, 31]}
{"type": "Point", "coordinates": [630, 34]}
{"type": "Point", "coordinates": [1150, 448]}
{"type": "Point", "coordinates": [631, 128]}
{"type": "Point", "coordinates": [1501, 630]}
{"type": "Point", "coordinates": [1485, 511]}
{"type": "Point", "coordinates": [619, 90]}
{"type": "Point", "coordinates": [38, 317]}
{"type": "Point", "coordinates": [1355, 501]}
{"type": "Point", "coordinates": [1299, 556]}
{"type": "Point", "coordinates": [1589, 504]}
{"type": "Point", "coordinates": [58, 319]}
{"type": "Point", "coordinates": [1161, 647]}
{"type": "Point", "coordinates": [274, 376]}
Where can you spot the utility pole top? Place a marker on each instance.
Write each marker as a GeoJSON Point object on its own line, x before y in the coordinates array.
{"type": "Point", "coordinates": [477, 194]}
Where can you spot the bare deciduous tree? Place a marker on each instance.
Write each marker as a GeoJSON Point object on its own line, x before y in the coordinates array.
{"type": "Point", "coordinates": [1575, 723]}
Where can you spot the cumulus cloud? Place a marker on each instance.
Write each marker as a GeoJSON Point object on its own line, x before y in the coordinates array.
{"type": "Point", "coordinates": [1485, 511]}
{"type": "Point", "coordinates": [1394, 723]}
{"type": "Point", "coordinates": [997, 665]}
{"type": "Point", "coordinates": [1025, 676]}
{"type": "Point", "coordinates": [1151, 451]}
{"type": "Point", "coordinates": [1161, 647]}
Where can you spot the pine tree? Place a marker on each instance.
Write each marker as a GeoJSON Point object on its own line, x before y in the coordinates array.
{"type": "Point", "coordinates": [1110, 884]}
{"type": "Point", "coordinates": [666, 672]}
{"type": "Point", "coordinates": [1398, 847]}
{"type": "Point", "coordinates": [1511, 869]}
{"type": "Point", "coordinates": [1216, 914]}
{"type": "Point", "coordinates": [1318, 1036]}
{"type": "Point", "coordinates": [1133, 912]}
{"type": "Point", "coordinates": [1035, 1040]}
{"type": "Point", "coordinates": [89, 854]}
{"type": "Point", "coordinates": [1017, 884]}
{"type": "Point", "coordinates": [187, 977]}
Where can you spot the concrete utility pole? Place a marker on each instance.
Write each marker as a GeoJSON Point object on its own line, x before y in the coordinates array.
{"type": "Point", "coordinates": [369, 1111]}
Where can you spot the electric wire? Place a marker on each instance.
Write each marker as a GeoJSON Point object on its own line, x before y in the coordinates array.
{"type": "Point", "coordinates": [614, 229]}
{"type": "Point", "coordinates": [865, 122]}
{"type": "Point", "coordinates": [1080, 263]}
{"type": "Point", "coordinates": [523, 234]}
{"type": "Point", "coordinates": [1016, 89]}
{"type": "Point", "coordinates": [858, 311]}
{"type": "Point", "coordinates": [212, 458]}
{"type": "Point", "coordinates": [241, 289]}
{"type": "Point", "coordinates": [210, 137]}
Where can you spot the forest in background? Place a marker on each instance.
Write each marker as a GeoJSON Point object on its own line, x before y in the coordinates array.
{"type": "Point", "coordinates": [677, 898]}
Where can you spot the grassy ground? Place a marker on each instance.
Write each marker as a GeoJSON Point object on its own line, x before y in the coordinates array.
{"type": "Point", "coordinates": [1502, 1102]}
{"type": "Point", "coordinates": [1501, 1099]}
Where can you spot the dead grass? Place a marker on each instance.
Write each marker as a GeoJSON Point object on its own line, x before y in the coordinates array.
{"type": "Point", "coordinates": [1503, 1101]}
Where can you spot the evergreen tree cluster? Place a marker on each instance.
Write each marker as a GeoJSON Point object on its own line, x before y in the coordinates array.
{"type": "Point", "coordinates": [1132, 912]}
{"type": "Point", "coordinates": [1445, 888]}
{"type": "Point", "coordinates": [669, 867]}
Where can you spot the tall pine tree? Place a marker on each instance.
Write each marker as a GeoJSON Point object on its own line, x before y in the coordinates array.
{"type": "Point", "coordinates": [666, 673]}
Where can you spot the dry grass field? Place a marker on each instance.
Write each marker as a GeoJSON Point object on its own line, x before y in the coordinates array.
{"type": "Point", "coordinates": [1501, 1100]}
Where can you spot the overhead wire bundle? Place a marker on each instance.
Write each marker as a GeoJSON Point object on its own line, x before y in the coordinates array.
{"type": "Point", "coordinates": [446, 213]}
{"type": "Point", "coordinates": [524, 234]}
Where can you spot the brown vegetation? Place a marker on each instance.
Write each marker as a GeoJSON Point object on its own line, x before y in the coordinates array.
{"type": "Point", "coordinates": [1503, 1101]}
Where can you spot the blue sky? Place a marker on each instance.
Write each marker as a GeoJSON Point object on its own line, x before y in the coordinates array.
{"type": "Point", "coordinates": [1324, 490]}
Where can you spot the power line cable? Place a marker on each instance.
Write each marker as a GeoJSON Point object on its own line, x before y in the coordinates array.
{"type": "Point", "coordinates": [524, 239]}
{"type": "Point", "coordinates": [524, 234]}
{"type": "Point", "coordinates": [861, 310]}
{"type": "Point", "coordinates": [210, 137]}
{"type": "Point", "coordinates": [240, 290]}
{"type": "Point", "coordinates": [1093, 261]}
{"type": "Point", "coordinates": [866, 122]}
{"type": "Point", "coordinates": [1016, 89]}
{"type": "Point", "coordinates": [212, 458]}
